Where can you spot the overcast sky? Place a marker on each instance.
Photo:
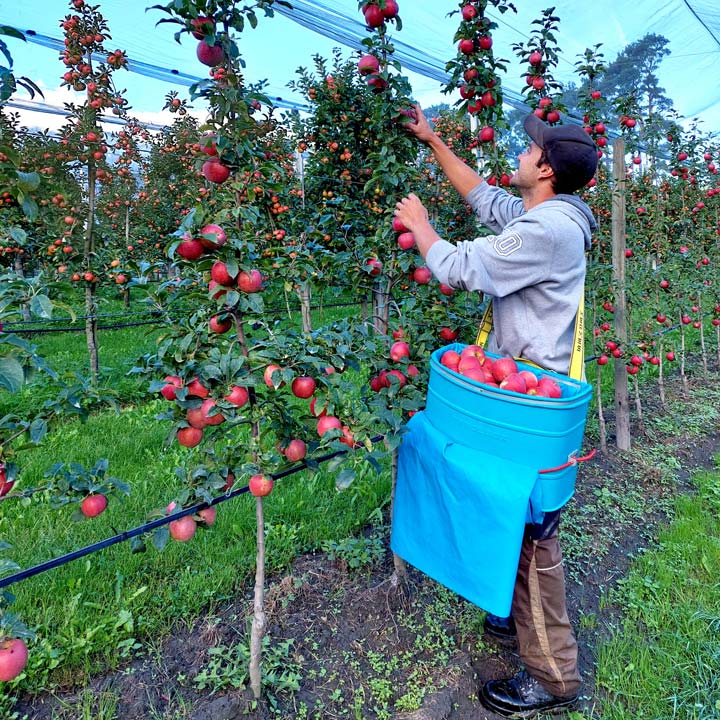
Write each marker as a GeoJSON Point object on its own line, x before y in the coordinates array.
{"type": "Point", "coordinates": [278, 46]}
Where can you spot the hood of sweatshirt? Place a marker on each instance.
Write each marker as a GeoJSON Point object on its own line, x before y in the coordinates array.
{"type": "Point", "coordinates": [579, 211]}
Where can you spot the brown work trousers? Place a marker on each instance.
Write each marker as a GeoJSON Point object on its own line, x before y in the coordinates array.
{"type": "Point", "coordinates": [546, 642]}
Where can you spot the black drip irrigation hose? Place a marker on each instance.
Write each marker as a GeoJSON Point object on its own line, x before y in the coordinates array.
{"type": "Point", "coordinates": [153, 524]}
{"type": "Point", "coordinates": [157, 321]}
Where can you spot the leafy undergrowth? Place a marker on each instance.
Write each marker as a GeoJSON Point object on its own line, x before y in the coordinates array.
{"type": "Point", "coordinates": [344, 643]}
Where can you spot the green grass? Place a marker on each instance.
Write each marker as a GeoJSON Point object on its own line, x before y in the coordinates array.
{"type": "Point", "coordinates": [91, 613]}
{"type": "Point", "coordinates": [303, 512]}
{"type": "Point", "coordinates": [663, 657]}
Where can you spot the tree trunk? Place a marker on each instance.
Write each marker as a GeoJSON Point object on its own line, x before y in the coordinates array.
{"type": "Point", "coordinates": [304, 294]}
{"type": "Point", "coordinates": [18, 266]}
{"type": "Point", "coordinates": [702, 339]}
{"type": "Point", "coordinates": [257, 632]}
{"type": "Point", "coordinates": [90, 287]}
{"type": "Point", "coordinates": [622, 401]}
{"type": "Point", "coordinates": [638, 406]}
{"type": "Point", "coordinates": [259, 621]}
{"type": "Point", "coordinates": [601, 414]}
{"type": "Point", "coordinates": [661, 382]}
{"type": "Point", "coordinates": [400, 574]}
{"type": "Point", "coordinates": [683, 376]}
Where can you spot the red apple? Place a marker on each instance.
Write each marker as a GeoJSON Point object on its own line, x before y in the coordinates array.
{"type": "Point", "coordinates": [446, 289]}
{"type": "Point", "coordinates": [216, 236]}
{"type": "Point", "coordinates": [467, 362]}
{"type": "Point", "coordinates": [502, 367]}
{"type": "Point", "coordinates": [390, 10]}
{"type": "Point", "coordinates": [13, 658]}
{"type": "Point", "coordinates": [303, 387]}
{"type": "Point", "coordinates": [216, 290]}
{"type": "Point", "coordinates": [399, 350]}
{"type": "Point", "coordinates": [214, 171]}
{"type": "Point", "coordinates": [210, 54]}
{"type": "Point", "coordinates": [398, 226]}
{"type": "Point", "coordinates": [268, 374]}
{"type": "Point", "coordinates": [315, 411]}
{"type": "Point", "coordinates": [530, 378]}
{"type": "Point", "coordinates": [260, 485]}
{"type": "Point", "coordinates": [548, 385]}
{"type": "Point", "coordinates": [219, 273]}
{"type": "Point", "coordinates": [296, 450]}
{"type": "Point", "coordinates": [368, 64]}
{"type": "Point", "coordinates": [190, 249]}
{"type": "Point", "coordinates": [486, 134]}
{"type": "Point", "coordinates": [374, 16]}
{"type": "Point", "coordinates": [183, 528]}
{"type": "Point", "coordinates": [398, 375]}
{"type": "Point", "coordinates": [208, 516]}
{"type": "Point", "coordinates": [196, 388]}
{"type": "Point", "coordinates": [450, 359]}
{"type": "Point", "coordinates": [477, 374]}
{"type": "Point", "coordinates": [406, 241]}
{"type": "Point", "coordinates": [467, 47]}
{"type": "Point", "coordinates": [202, 26]}
{"type": "Point", "coordinates": [422, 275]}
{"type": "Point", "coordinates": [173, 382]}
{"type": "Point", "coordinates": [327, 422]}
{"type": "Point", "coordinates": [218, 325]}
{"type": "Point", "coordinates": [250, 282]}
{"type": "Point", "coordinates": [373, 266]}
{"type": "Point", "coordinates": [210, 418]}
{"type": "Point", "coordinates": [475, 350]}
{"type": "Point", "coordinates": [397, 334]}
{"type": "Point", "coordinates": [448, 334]}
{"type": "Point", "coordinates": [535, 58]}
{"type": "Point", "coordinates": [189, 436]}
{"type": "Point", "coordinates": [238, 395]}
{"type": "Point", "coordinates": [93, 505]}
{"type": "Point", "coordinates": [469, 12]}
{"type": "Point", "coordinates": [514, 382]}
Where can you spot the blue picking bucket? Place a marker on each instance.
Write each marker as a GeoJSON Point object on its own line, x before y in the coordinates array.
{"type": "Point", "coordinates": [541, 432]}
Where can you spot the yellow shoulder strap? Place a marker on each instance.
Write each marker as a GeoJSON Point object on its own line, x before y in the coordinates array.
{"type": "Point", "coordinates": [577, 355]}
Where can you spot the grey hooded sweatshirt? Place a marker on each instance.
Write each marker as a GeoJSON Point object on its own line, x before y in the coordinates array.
{"type": "Point", "coordinates": [533, 269]}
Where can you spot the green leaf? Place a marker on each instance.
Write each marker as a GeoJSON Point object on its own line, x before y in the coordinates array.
{"type": "Point", "coordinates": [345, 478]}
{"type": "Point", "coordinates": [12, 376]}
{"type": "Point", "coordinates": [28, 181]}
{"type": "Point", "coordinates": [38, 429]}
{"type": "Point", "coordinates": [12, 32]}
{"type": "Point", "coordinates": [30, 208]}
{"type": "Point", "coordinates": [41, 306]}
{"type": "Point", "coordinates": [8, 566]}
{"type": "Point", "coordinates": [161, 537]}
{"type": "Point", "coordinates": [18, 235]}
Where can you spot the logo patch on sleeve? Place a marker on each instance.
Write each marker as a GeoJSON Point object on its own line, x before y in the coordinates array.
{"type": "Point", "coordinates": [507, 244]}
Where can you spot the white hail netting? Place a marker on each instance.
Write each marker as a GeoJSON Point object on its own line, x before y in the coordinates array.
{"type": "Point", "coordinates": [279, 45]}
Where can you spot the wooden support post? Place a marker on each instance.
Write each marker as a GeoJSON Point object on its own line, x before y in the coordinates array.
{"type": "Point", "coordinates": [622, 401]}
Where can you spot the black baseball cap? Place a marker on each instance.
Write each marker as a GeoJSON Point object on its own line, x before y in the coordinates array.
{"type": "Point", "coordinates": [570, 151]}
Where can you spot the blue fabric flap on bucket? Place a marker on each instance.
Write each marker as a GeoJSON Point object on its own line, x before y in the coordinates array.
{"type": "Point", "coordinates": [459, 515]}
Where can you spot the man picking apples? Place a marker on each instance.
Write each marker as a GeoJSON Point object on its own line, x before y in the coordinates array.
{"type": "Point", "coordinates": [533, 268]}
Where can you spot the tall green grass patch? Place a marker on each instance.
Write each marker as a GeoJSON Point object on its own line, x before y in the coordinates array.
{"type": "Point", "coordinates": [663, 658]}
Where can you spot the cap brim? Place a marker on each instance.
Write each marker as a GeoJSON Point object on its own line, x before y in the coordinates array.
{"type": "Point", "coordinates": [535, 128]}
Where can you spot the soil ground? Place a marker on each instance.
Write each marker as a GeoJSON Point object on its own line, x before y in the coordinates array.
{"type": "Point", "coordinates": [360, 645]}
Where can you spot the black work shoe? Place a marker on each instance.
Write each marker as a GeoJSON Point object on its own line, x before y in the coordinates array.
{"type": "Point", "coordinates": [521, 696]}
{"type": "Point", "coordinates": [500, 627]}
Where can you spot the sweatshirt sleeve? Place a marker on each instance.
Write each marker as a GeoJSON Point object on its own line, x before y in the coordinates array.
{"type": "Point", "coordinates": [498, 265]}
{"type": "Point", "coordinates": [494, 206]}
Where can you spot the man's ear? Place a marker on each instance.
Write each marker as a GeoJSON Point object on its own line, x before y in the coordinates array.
{"type": "Point", "coordinates": [546, 170]}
